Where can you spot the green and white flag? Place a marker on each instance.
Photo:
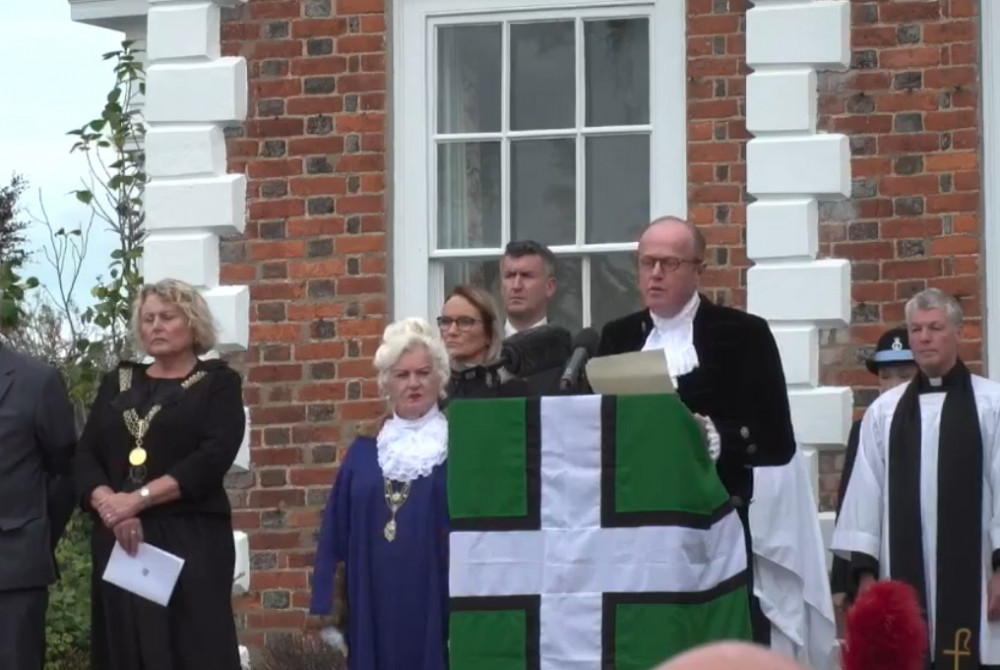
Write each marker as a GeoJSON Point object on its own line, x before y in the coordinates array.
{"type": "Point", "coordinates": [587, 533]}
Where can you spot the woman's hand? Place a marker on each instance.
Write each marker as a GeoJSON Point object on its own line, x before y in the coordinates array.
{"type": "Point", "coordinates": [129, 535]}
{"type": "Point", "coordinates": [117, 507]}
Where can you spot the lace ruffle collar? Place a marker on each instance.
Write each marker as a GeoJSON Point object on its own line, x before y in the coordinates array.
{"type": "Point", "coordinates": [675, 337]}
{"type": "Point", "coordinates": [410, 449]}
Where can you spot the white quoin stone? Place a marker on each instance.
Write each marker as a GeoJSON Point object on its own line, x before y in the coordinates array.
{"type": "Point", "coordinates": [811, 457]}
{"type": "Point", "coordinates": [814, 164]}
{"type": "Point", "coordinates": [230, 306]}
{"type": "Point", "coordinates": [783, 229]}
{"type": "Point", "coordinates": [184, 31]}
{"type": "Point", "coordinates": [185, 151]}
{"type": "Point", "coordinates": [242, 461]}
{"type": "Point", "coordinates": [821, 416]}
{"type": "Point", "coordinates": [193, 256]}
{"type": "Point", "coordinates": [241, 571]}
{"type": "Point", "coordinates": [215, 204]}
{"type": "Point", "coordinates": [827, 522]}
{"type": "Point", "coordinates": [815, 34]}
{"type": "Point", "coordinates": [818, 291]}
{"type": "Point", "coordinates": [213, 91]}
{"type": "Point", "coordinates": [799, 349]}
{"type": "Point", "coordinates": [782, 101]}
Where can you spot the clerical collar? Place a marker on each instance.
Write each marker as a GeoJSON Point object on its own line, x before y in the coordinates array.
{"type": "Point", "coordinates": [410, 448]}
{"type": "Point", "coordinates": [947, 382]}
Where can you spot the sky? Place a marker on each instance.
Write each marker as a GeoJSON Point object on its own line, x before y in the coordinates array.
{"type": "Point", "coordinates": [53, 81]}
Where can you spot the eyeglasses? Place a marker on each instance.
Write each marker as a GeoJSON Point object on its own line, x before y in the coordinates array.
{"type": "Point", "coordinates": [668, 263]}
{"type": "Point", "coordinates": [462, 322]}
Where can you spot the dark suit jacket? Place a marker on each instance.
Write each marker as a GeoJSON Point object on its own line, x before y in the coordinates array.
{"type": "Point", "coordinates": [37, 440]}
{"type": "Point", "coordinates": [840, 570]}
{"type": "Point", "coordinates": [739, 384]}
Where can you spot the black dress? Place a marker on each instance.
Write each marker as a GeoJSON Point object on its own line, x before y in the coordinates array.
{"type": "Point", "coordinates": [194, 438]}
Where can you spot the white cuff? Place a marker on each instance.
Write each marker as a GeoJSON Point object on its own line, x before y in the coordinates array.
{"type": "Point", "coordinates": [714, 439]}
{"type": "Point", "coordinates": [333, 637]}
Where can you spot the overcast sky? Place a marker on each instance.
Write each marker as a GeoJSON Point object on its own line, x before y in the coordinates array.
{"type": "Point", "coordinates": [53, 80]}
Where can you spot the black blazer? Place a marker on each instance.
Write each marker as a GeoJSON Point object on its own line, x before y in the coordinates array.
{"type": "Point", "coordinates": [739, 384]}
{"type": "Point", "coordinates": [37, 439]}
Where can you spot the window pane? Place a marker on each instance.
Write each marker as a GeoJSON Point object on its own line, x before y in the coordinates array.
{"type": "Point", "coordinates": [614, 288]}
{"type": "Point", "coordinates": [542, 76]}
{"type": "Point", "coordinates": [566, 308]}
{"type": "Point", "coordinates": [468, 195]}
{"type": "Point", "coordinates": [469, 63]}
{"type": "Point", "coordinates": [543, 191]}
{"type": "Point", "coordinates": [617, 187]}
{"type": "Point", "coordinates": [617, 72]}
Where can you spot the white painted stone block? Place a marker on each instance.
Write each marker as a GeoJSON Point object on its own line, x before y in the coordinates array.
{"type": "Point", "coordinates": [818, 291]}
{"type": "Point", "coordinates": [783, 229]}
{"type": "Point", "coordinates": [799, 349]}
{"type": "Point", "coordinates": [179, 151]}
{"type": "Point", "coordinates": [803, 33]}
{"type": "Point", "coordinates": [788, 165]}
{"type": "Point", "coordinates": [213, 91]}
{"type": "Point", "coordinates": [184, 31]}
{"type": "Point", "coordinates": [821, 416]}
{"type": "Point", "coordinates": [241, 571]}
{"type": "Point", "coordinates": [191, 257]}
{"type": "Point", "coordinates": [244, 658]}
{"type": "Point", "coordinates": [230, 307]}
{"type": "Point", "coordinates": [216, 204]}
{"type": "Point", "coordinates": [242, 461]}
{"type": "Point", "coordinates": [782, 101]}
{"type": "Point", "coordinates": [827, 522]}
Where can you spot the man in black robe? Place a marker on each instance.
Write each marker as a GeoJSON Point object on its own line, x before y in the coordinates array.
{"type": "Point", "coordinates": [893, 364]}
{"type": "Point", "coordinates": [923, 501]}
{"type": "Point", "coordinates": [725, 363]}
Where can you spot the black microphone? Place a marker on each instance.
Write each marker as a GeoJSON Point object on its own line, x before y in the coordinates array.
{"type": "Point", "coordinates": [536, 349]}
{"type": "Point", "coordinates": [584, 347]}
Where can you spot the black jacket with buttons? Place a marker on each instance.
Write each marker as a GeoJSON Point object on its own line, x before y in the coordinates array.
{"type": "Point", "coordinates": [739, 384]}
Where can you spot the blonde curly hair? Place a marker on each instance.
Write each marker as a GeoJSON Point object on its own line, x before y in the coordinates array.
{"type": "Point", "coordinates": [190, 303]}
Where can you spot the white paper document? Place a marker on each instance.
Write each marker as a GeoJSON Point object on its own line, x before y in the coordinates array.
{"type": "Point", "coordinates": [151, 574]}
{"type": "Point", "coordinates": [637, 373]}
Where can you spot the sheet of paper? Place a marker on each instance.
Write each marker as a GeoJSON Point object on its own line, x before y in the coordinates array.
{"type": "Point", "coordinates": [151, 574]}
{"type": "Point", "coordinates": [636, 373]}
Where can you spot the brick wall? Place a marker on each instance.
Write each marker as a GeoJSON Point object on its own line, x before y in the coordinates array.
{"type": "Point", "coordinates": [910, 105]}
{"type": "Point", "coordinates": [315, 248]}
{"type": "Point", "coordinates": [314, 255]}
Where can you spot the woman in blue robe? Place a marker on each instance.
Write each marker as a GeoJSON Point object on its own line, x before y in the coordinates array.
{"type": "Point", "coordinates": [385, 527]}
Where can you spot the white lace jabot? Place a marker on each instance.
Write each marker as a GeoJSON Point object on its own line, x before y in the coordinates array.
{"type": "Point", "coordinates": [408, 450]}
{"type": "Point", "coordinates": [675, 336]}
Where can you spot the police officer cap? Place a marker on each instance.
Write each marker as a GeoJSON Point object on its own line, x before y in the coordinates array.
{"type": "Point", "coordinates": [893, 348]}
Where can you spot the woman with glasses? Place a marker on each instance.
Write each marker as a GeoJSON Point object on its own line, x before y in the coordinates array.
{"type": "Point", "coordinates": [150, 464]}
{"type": "Point", "coordinates": [471, 328]}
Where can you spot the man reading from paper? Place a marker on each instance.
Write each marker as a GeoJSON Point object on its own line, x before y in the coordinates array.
{"type": "Point", "coordinates": [724, 362]}
{"type": "Point", "coordinates": [923, 502]}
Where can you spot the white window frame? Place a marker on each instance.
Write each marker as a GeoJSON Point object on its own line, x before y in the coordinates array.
{"type": "Point", "coordinates": [417, 290]}
{"type": "Point", "coordinates": [991, 183]}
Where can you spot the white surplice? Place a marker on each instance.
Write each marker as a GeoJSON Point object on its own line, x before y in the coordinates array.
{"type": "Point", "coordinates": [864, 521]}
{"type": "Point", "coordinates": [789, 564]}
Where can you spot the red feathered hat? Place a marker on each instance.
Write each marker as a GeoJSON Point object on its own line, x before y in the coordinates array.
{"type": "Point", "coordinates": [885, 630]}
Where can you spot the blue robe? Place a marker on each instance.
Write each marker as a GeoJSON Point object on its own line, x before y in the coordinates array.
{"type": "Point", "coordinates": [397, 592]}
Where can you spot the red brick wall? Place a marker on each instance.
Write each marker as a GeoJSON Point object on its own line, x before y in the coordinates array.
{"type": "Point", "coordinates": [315, 249]}
{"type": "Point", "coordinates": [314, 255]}
{"type": "Point", "coordinates": [910, 105]}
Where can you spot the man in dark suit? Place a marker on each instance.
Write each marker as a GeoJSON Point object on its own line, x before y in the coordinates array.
{"type": "Point", "coordinates": [725, 363]}
{"type": "Point", "coordinates": [37, 440]}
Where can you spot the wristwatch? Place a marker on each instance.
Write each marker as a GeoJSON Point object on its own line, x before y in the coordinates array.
{"type": "Point", "coordinates": [144, 496]}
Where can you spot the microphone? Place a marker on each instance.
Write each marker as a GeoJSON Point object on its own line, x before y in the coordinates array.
{"type": "Point", "coordinates": [584, 347]}
{"type": "Point", "coordinates": [534, 350]}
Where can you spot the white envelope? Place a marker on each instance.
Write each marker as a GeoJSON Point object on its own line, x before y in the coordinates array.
{"type": "Point", "coordinates": [151, 574]}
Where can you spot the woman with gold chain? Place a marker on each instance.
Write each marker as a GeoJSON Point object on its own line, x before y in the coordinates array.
{"type": "Point", "coordinates": [150, 465]}
{"type": "Point", "coordinates": [385, 525]}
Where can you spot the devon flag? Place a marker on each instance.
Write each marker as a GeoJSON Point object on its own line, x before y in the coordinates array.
{"type": "Point", "coordinates": [587, 533]}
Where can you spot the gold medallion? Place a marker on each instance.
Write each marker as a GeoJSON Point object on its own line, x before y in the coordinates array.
{"type": "Point", "coordinates": [390, 530]}
{"type": "Point", "coordinates": [137, 456]}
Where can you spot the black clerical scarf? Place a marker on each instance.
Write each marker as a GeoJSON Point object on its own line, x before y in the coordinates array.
{"type": "Point", "coordinates": [960, 515]}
